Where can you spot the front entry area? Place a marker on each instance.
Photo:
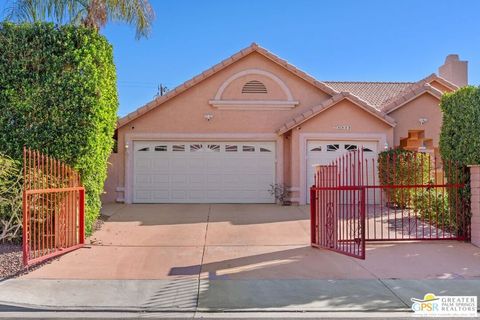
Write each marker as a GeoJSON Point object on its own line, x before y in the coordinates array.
{"type": "Point", "coordinates": [404, 196]}
{"type": "Point", "coordinates": [324, 152]}
{"type": "Point", "coordinates": [203, 172]}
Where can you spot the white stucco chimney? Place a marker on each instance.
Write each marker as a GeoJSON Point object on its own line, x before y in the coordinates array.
{"type": "Point", "coordinates": [454, 70]}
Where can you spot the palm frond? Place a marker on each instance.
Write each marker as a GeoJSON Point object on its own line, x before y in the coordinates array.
{"type": "Point", "coordinates": [138, 13]}
{"type": "Point", "coordinates": [25, 10]}
{"type": "Point", "coordinates": [89, 13]}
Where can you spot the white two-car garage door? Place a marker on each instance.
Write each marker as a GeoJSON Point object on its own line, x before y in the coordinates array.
{"type": "Point", "coordinates": [203, 172]}
{"type": "Point", "coordinates": [324, 152]}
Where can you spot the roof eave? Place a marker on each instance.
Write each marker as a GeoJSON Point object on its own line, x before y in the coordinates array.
{"type": "Point", "coordinates": [307, 115]}
{"type": "Point", "coordinates": [410, 96]}
{"type": "Point", "coordinates": [216, 68]}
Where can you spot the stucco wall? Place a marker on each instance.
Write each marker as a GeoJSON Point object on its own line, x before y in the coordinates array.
{"type": "Point", "coordinates": [363, 125]}
{"type": "Point", "coordinates": [184, 114]}
{"type": "Point", "coordinates": [109, 190]}
{"type": "Point", "coordinates": [407, 117]}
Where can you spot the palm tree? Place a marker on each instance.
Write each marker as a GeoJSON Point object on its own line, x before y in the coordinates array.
{"type": "Point", "coordinates": [93, 14]}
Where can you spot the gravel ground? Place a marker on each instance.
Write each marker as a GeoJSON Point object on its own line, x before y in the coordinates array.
{"type": "Point", "coordinates": [10, 260]}
{"type": "Point", "coordinates": [11, 255]}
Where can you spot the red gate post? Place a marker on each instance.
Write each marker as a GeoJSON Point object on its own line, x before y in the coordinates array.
{"type": "Point", "coordinates": [363, 218]}
{"type": "Point", "coordinates": [313, 216]}
{"type": "Point", "coordinates": [81, 219]}
{"type": "Point", "coordinates": [25, 242]}
{"type": "Point", "coordinates": [25, 233]}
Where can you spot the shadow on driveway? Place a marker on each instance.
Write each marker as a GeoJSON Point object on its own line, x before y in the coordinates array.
{"type": "Point", "coordinates": [236, 214]}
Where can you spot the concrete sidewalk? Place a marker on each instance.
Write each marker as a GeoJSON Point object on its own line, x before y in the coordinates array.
{"type": "Point", "coordinates": [191, 295]}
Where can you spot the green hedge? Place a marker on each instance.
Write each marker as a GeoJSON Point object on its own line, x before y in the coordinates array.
{"type": "Point", "coordinates": [433, 207]}
{"type": "Point", "coordinates": [460, 135]}
{"type": "Point", "coordinates": [460, 143]}
{"type": "Point", "coordinates": [58, 95]}
{"type": "Point", "coordinates": [402, 167]}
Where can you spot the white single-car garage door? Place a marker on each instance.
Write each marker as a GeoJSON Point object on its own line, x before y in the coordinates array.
{"type": "Point", "coordinates": [203, 172]}
{"type": "Point", "coordinates": [324, 152]}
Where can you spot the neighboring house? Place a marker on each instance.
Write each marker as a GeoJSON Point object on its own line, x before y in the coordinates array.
{"type": "Point", "coordinates": [254, 120]}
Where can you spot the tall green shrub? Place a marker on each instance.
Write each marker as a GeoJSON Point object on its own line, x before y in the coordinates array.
{"type": "Point", "coordinates": [398, 167]}
{"type": "Point", "coordinates": [460, 135]}
{"type": "Point", "coordinates": [460, 143]}
{"type": "Point", "coordinates": [58, 95]}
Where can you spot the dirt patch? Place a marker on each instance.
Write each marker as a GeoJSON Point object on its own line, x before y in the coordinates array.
{"type": "Point", "coordinates": [97, 226]}
{"type": "Point", "coordinates": [99, 223]}
{"type": "Point", "coordinates": [10, 260]}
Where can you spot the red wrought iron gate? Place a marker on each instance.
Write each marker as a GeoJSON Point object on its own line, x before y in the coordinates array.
{"type": "Point", "coordinates": [53, 208]}
{"type": "Point", "coordinates": [401, 196]}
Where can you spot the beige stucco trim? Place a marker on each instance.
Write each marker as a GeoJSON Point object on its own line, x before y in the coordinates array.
{"type": "Point", "coordinates": [130, 138]}
{"type": "Point", "coordinates": [380, 138]}
{"type": "Point", "coordinates": [435, 77]}
{"type": "Point", "coordinates": [283, 86]}
{"type": "Point", "coordinates": [254, 104]}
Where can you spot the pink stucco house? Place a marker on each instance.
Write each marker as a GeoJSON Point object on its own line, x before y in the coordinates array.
{"type": "Point", "coordinates": [254, 120]}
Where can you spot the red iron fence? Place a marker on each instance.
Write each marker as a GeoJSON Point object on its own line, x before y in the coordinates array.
{"type": "Point", "coordinates": [397, 196]}
{"type": "Point", "coordinates": [53, 208]}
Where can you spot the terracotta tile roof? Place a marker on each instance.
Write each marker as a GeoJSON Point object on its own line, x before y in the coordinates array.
{"type": "Point", "coordinates": [375, 93]}
{"type": "Point", "coordinates": [422, 82]}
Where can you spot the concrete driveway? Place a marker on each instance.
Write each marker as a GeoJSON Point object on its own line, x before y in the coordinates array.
{"type": "Point", "coordinates": [202, 258]}
{"type": "Point", "coordinates": [232, 241]}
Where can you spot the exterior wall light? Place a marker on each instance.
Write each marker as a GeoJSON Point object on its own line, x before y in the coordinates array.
{"type": "Point", "coordinates": [386, 146]}
{"type": "Point", "coordinates": [423, 121]}
{"type": "Point", "coordinates": [208, 116]}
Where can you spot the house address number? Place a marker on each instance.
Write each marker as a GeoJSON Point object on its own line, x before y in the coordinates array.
{"type": "Point", "coordinates": [343, 127]}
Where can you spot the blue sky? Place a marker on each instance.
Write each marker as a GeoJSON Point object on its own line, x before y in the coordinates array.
{"type": "Point", "coordinates": [331, 40]}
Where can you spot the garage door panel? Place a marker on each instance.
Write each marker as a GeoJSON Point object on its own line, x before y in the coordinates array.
{"type": "Point", "coordinates": [223, 172]}
{"type": "Point", "coordinates": [143, 179]}
{"type": "Point", "coordinates": [160, 194]}
{"type": "Point", "coordinates": [263, 179]}
{"type": "Point", "coordinates": [143, 164]}
{"type": "Point", "coordinates": [230, 179]}
{"type": "Point", "coordinates": [143, 194]}
{"type": "Point", "coordinates": [214, 180]}
{"type": "Point", "coordinates": [160, 179]}
{"type": "Point", "coordinates": [161, 164]}
{"type": "Point", "coordinates": [177, 195]}
{"type": "Point", "coordinates": [195, 165]}
{"type": "Point", "coordinates": [197, 195]}
{"type": "Point", "coordinates": [196, 180]}
{"type": "Point", "coordinates": [179, 179]}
